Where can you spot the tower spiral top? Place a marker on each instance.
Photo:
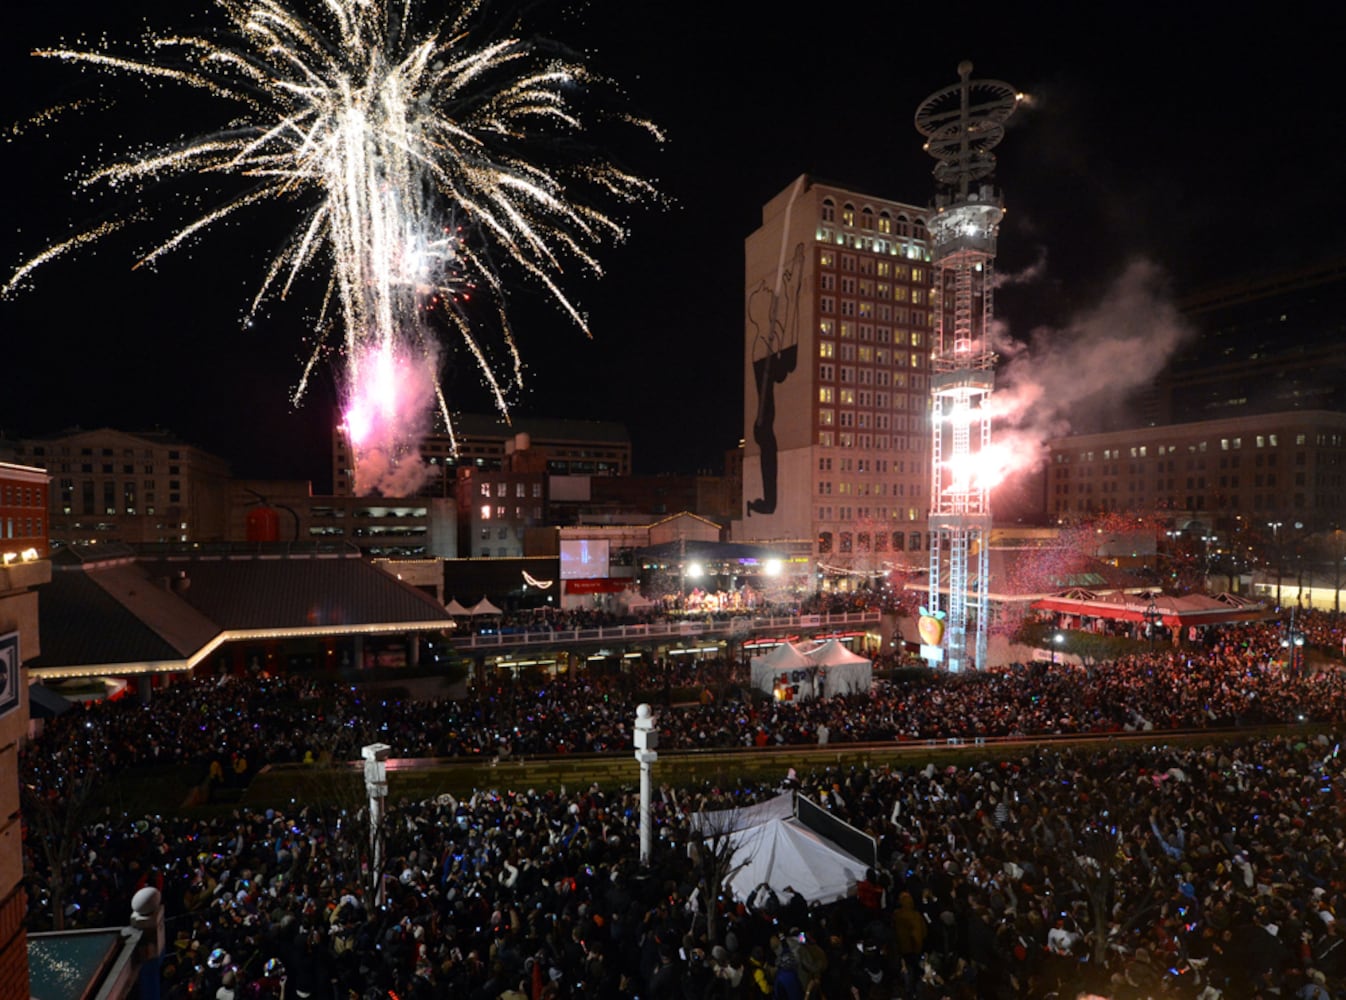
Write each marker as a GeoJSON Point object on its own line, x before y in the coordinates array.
{"type": "Point", "coordinates": [962, 123]}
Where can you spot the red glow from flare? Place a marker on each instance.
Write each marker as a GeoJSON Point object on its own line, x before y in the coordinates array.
{"type": "Point", "coordinates": [373, 411]}
{"type": "Point", "coordinates": [985, 469]}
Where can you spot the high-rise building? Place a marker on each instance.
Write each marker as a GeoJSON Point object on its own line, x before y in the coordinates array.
{"type": "Point", "coordinates": [836, 352]}
{"type": "Point", "coordinates": [1266, 344]}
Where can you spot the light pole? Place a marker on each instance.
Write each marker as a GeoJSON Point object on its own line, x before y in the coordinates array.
{"type": "Point", "coordinates": [1056, 641]}
{"type": "Point", "coordinates": [376, 786]}
{"type": "Point", "coordinates": [1293, 644]}
{"type": "Point", "coordinates": [1275, 527]}
{"type": "Point", "coordinates": [647, 742]}
{"type": "Point", "coordinates": [1336, 566]}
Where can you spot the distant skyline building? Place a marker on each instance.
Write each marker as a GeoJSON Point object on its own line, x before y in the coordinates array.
{"type": "Point", "coordinates": [1264, 344]}
{"type": "Point", "coordinates": [571, 447]}
{"type": "Point", "coordinates": [110, 485]}
{"type": "Point", "coordinates": [1288, 467]}
{"type": "Point", "coordinates": [837, 287]}
{"type": "Point", "coordinates": [962, 124]}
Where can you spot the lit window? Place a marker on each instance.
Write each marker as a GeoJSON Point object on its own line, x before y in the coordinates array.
{"type": "Point", "coordinates": [485, 512]}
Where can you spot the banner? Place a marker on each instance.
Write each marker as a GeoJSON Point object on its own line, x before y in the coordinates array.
{"type": "Point", "coordinates": [596, 586]}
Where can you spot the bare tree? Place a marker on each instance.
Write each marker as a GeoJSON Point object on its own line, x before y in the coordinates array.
{"type": "Point", "coordinates": [56, 822]}
{"type": "Point", "coordinates": [337, 806]}
{"type": "Point", "coordinates": [712, 851]}
{"type": "Point", "coordinates": [1108, 863]}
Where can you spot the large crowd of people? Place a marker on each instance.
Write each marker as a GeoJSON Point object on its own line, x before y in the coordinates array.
{"type": "Point", "coordinates": [1129, 871]}
{"type": "Point", "coordinates": [1236, 679]}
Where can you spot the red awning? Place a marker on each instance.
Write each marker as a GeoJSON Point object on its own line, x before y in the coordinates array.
{"type": "Point", "coordinates": [1195, 609]}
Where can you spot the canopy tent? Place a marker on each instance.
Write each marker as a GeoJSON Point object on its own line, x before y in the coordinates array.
{"type": "Point", "coordinates": [456, 609]}
{"type": "Point", "coordinates": [772, 845]}
{"type": "Point", "coordinates": [784, 668]}
{"type": "Point", "coordinates": [44, 703]}
{"type": "Point", "coordinates": [634, 600]}
{"type": "Point", "coordinates": [792, 673]}
{"type": "Point", "coordinates": [483, 607]}
{"type": "Point", "coordinates": [1175, 612]}
{"type": "Point", "coordinates": [844, 672]}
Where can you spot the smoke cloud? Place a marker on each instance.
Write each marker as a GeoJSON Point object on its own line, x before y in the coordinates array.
{"type": "Point", "coordinates": [1091, 366]}
{"type": "Point", "coordinates": [1030, 274]}
{"type": "Point", "coordinates": [389, 411]}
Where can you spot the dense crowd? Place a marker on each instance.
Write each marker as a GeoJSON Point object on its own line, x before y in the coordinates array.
{"type": "Point", "coordinates": [1134, 872]}
{"type": "Point", "coordinates": [238, 724]}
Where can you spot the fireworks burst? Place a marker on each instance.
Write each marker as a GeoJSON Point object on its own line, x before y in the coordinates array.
{"type": "Point", "coordinates": [422, 155]}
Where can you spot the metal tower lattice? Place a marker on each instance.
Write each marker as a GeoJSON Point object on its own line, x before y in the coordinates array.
{"type": "Point", "coordinates": [962, 124]}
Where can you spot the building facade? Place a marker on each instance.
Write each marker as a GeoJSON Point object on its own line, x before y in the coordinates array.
{"type": "Point", "coordinates": [1262, 344]}
{"type": "Point", "coordinates": [24, 566]}
{"type": "Point", "coordinates": [572, 447]}
{"type": "Point", "coordinates": [112, 486]}
{"type": "Point", "coordinates": [497, 507]}
{"type": "Point", "coordinates": [837, 307]}
{"type": "Point", "coordinates": [287, 511]}
{"type": "Point", "coordinates": [1279, 466]}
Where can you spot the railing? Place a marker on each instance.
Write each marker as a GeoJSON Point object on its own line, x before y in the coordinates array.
{"type": "Point", "coordinates": [843, 751]}
{"type": "Point", "coordinates": [685, 628]}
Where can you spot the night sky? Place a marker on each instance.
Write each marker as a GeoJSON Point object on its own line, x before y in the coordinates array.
{"type": "Point", "coordinates": [1208, 142]}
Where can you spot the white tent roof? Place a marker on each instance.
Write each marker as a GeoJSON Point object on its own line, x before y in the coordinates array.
{"type": "Point", "coordinates": [786, 656]}
{"type": "Point", "coordinates": [832, 653]}
{"type": "Point", "coordinates": [483, 607]}
{"type": "Point", "coordinates": [774, 848]}
{"type": "Point", "coordinates": [454, 608]}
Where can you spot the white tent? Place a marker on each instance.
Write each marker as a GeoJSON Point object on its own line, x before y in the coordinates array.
{"type": "Point", "coordinates": [844, 672]}
{"type": "Point", "coordinates": [784, 668]}
{"type": "Point", "coordinates": [793, 673]}
{"type": "Point", "coordinates": [772, 846]}
{"type": "Point", "coordinates": [483, 607]}
{"type": "Point", "coordinates": [454, 608]}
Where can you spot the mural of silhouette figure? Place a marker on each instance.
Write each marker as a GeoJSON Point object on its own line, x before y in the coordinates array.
{"type": "Point", "coordinates": [774, 316]}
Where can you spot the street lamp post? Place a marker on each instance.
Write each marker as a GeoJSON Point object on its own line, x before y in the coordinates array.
{"type": "Point", "coordinates": [376, 786]}
{"type": "Point", "coordinates": [1056, 641]}
{"type": "Point", "coordinates": [1293, 644]}
{"type": "Point", "coordinates": [647, 742]}
{"type": "Point", "coordinates": [1275, 527]}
